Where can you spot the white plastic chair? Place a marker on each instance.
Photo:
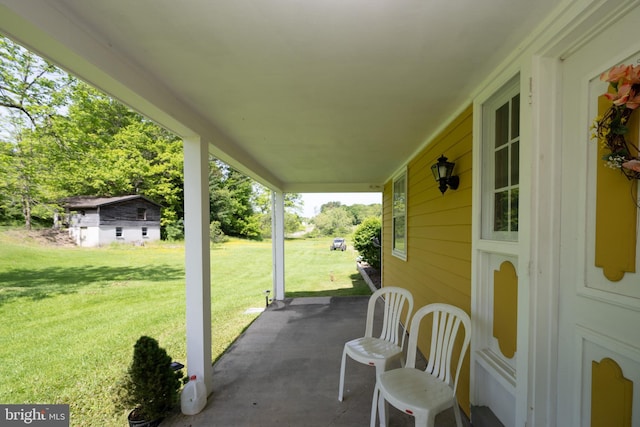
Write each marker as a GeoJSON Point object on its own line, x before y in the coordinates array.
{"type": "Point", "coordinates": [383, 350]}
{"type": "Point", "coordinates": [424, 394]}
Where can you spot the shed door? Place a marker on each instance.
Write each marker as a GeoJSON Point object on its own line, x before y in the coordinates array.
{"type": "Point", "coordinates": [599, 284]}
{"type": "Point", "coordinates": [83, 236]}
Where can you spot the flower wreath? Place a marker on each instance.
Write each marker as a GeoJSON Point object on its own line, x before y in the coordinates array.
{"type": "Point", "coordinates": [610, 128]}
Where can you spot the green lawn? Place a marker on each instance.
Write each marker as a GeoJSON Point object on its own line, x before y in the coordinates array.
{"type": "Point", "coordinates": [70, 316]}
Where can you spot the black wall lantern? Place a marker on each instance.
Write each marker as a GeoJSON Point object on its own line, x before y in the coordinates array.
{"type": "Point", "coordinates": [442, 172]}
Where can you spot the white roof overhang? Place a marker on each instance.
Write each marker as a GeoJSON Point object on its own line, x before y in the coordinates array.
{"type": "Point", "coordinates": [303, 96]}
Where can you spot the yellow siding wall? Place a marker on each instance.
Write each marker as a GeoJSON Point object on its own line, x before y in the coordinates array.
{"type": "Point", "coordinates": [438, 265]}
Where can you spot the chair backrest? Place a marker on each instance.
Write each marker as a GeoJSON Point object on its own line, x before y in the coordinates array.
{"type": "Point", "coordinates": [445, 328]}
{"type": "Point", "coordinates": [393, 323]}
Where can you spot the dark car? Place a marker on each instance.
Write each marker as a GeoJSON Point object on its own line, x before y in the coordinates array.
{"type": "Point", "coordinates": [339, 244]}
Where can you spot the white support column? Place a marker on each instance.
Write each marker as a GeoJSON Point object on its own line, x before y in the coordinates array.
{"type": "Point", "coordinates": [544, 298]}
{"type": "Point", "coordinates": [197, 259]}
{"type": "Point", "coordinates": [277, 239]}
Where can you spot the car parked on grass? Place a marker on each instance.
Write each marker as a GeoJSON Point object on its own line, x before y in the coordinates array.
{"type": "Point", "coordinates": [339, 244]}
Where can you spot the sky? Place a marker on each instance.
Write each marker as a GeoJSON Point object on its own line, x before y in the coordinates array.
{"type": "Point", "coordinates": [313, 201]}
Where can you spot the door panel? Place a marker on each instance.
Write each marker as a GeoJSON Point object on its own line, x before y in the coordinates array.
{"type": "Point", "coordinates": [599, 337]}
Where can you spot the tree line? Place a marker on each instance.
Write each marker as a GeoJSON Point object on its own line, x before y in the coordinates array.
{"type": "Point", "coordinates": [60, 137]}
{"type": "Point", "coordinates": [335, 219]}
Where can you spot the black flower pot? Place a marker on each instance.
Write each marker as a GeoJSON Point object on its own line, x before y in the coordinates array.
{"type": "Point", "coordinates": [134, 421]}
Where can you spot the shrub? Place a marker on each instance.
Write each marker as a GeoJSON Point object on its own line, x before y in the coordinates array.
{"type": "Point", "coordinates": [216, 234]}
{"type": "Point", "coordinates": [366, 240]}
{"type": "Point", "coordinates": [151, 387]}
{"type": "Point", "coordinates": [173, 231]}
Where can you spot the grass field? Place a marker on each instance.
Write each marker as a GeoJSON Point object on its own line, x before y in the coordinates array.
{"type": "Point", "coordinates": [70, 316]}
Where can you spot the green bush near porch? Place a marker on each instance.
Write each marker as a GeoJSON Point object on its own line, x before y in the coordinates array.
{"type": "Point", "coordinates": [71, 316]}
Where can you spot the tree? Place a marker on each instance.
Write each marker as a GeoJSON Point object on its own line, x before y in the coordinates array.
{"type": "Point", "coordinates": [61, 138]}
{"type": "Point", "coordinates": [26, 177]}
{"type": "Point", "coordinates": [66, 138]}
{"type": "Point", "coordinates": [231, 201]}
{"type": "Point", "coordinates": [293, 202]}
{"type": "Point", "coordinates": [292, 209]}
{"type": "Point", "coordinates": [9, 207]}
{"type": "Point", "coordinates": [32, 94]}
{"type": "Point", "coordinates": [330, 205]}
{"type": "Point", "coordinates": [30, 87]}
{"type": "Point", "coordinates": [361, 212]}
{"type": "Point", "coordinates": [242, 207]}
{"type": "Point", "coordinates": [262, 200]}
{"type": "Point", "coordinates": [336, 221]}
{"type": "Point", "coordinates": [117, 152]}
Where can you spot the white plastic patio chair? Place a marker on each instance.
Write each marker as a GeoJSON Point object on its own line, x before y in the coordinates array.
{"type": "Point", "coordinates": [424, 394]}
{"type": "Point", "coordinates": [383, 350]}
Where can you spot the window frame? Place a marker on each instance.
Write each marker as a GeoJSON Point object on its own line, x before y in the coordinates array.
{"type": "Point", "coordinates": [401, 178]}
{"type": "Point", "coordinates": [488, 196]}
{"type": "Point", "coordinates": [119, 233]}
{"type": "Point", "coordinates": [141, 214]}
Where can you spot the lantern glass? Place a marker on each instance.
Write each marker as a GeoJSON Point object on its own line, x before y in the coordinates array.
{"type": "Point", "coordinates": [442, 172]}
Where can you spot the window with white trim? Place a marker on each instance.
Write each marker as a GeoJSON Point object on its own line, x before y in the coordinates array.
{"type": "Point", "coordinates": [399, 215]}
{"type": "Point", "coordinates": [501, 164]}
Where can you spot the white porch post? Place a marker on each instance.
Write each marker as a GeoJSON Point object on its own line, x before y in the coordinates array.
{"type": "Point", "coordinates": [197, 258]}
{"type": "Point", "coordinates": [545, 247]}
{"type": "Point", "coordinates": [277, 242]}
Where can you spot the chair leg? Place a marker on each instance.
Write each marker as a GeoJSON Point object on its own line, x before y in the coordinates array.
{"type": "Point", "coordinates": [456, 411]}
{"type": "Point", "coordinates": [342, 368]}
{"type": "Point", "coordinates": [374, 406]}
{"type": "Point", "coordinates": [383, 407]}
{"type": "Point", "coordinates": [382, 404]}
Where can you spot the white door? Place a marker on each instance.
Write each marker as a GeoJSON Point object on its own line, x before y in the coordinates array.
{"type": "Point", "coordinates": [83, 236]}
{"type": "Point", "coordinates": [599, 319]}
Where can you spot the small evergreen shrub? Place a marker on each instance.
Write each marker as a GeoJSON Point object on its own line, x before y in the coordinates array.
{"type": "Point", "coordinates": [151, 388]}
{"type": "Point", "coordinates": [366, 240]}
{"type": "Point", "coordinates": [216, 234]}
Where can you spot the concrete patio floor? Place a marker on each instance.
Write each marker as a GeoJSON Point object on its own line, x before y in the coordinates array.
{"type": "Point", "coordinates": [284, 370]}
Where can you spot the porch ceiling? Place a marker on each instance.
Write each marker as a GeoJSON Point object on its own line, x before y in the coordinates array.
{"type": "Point", "coordinates": [304, 96]}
